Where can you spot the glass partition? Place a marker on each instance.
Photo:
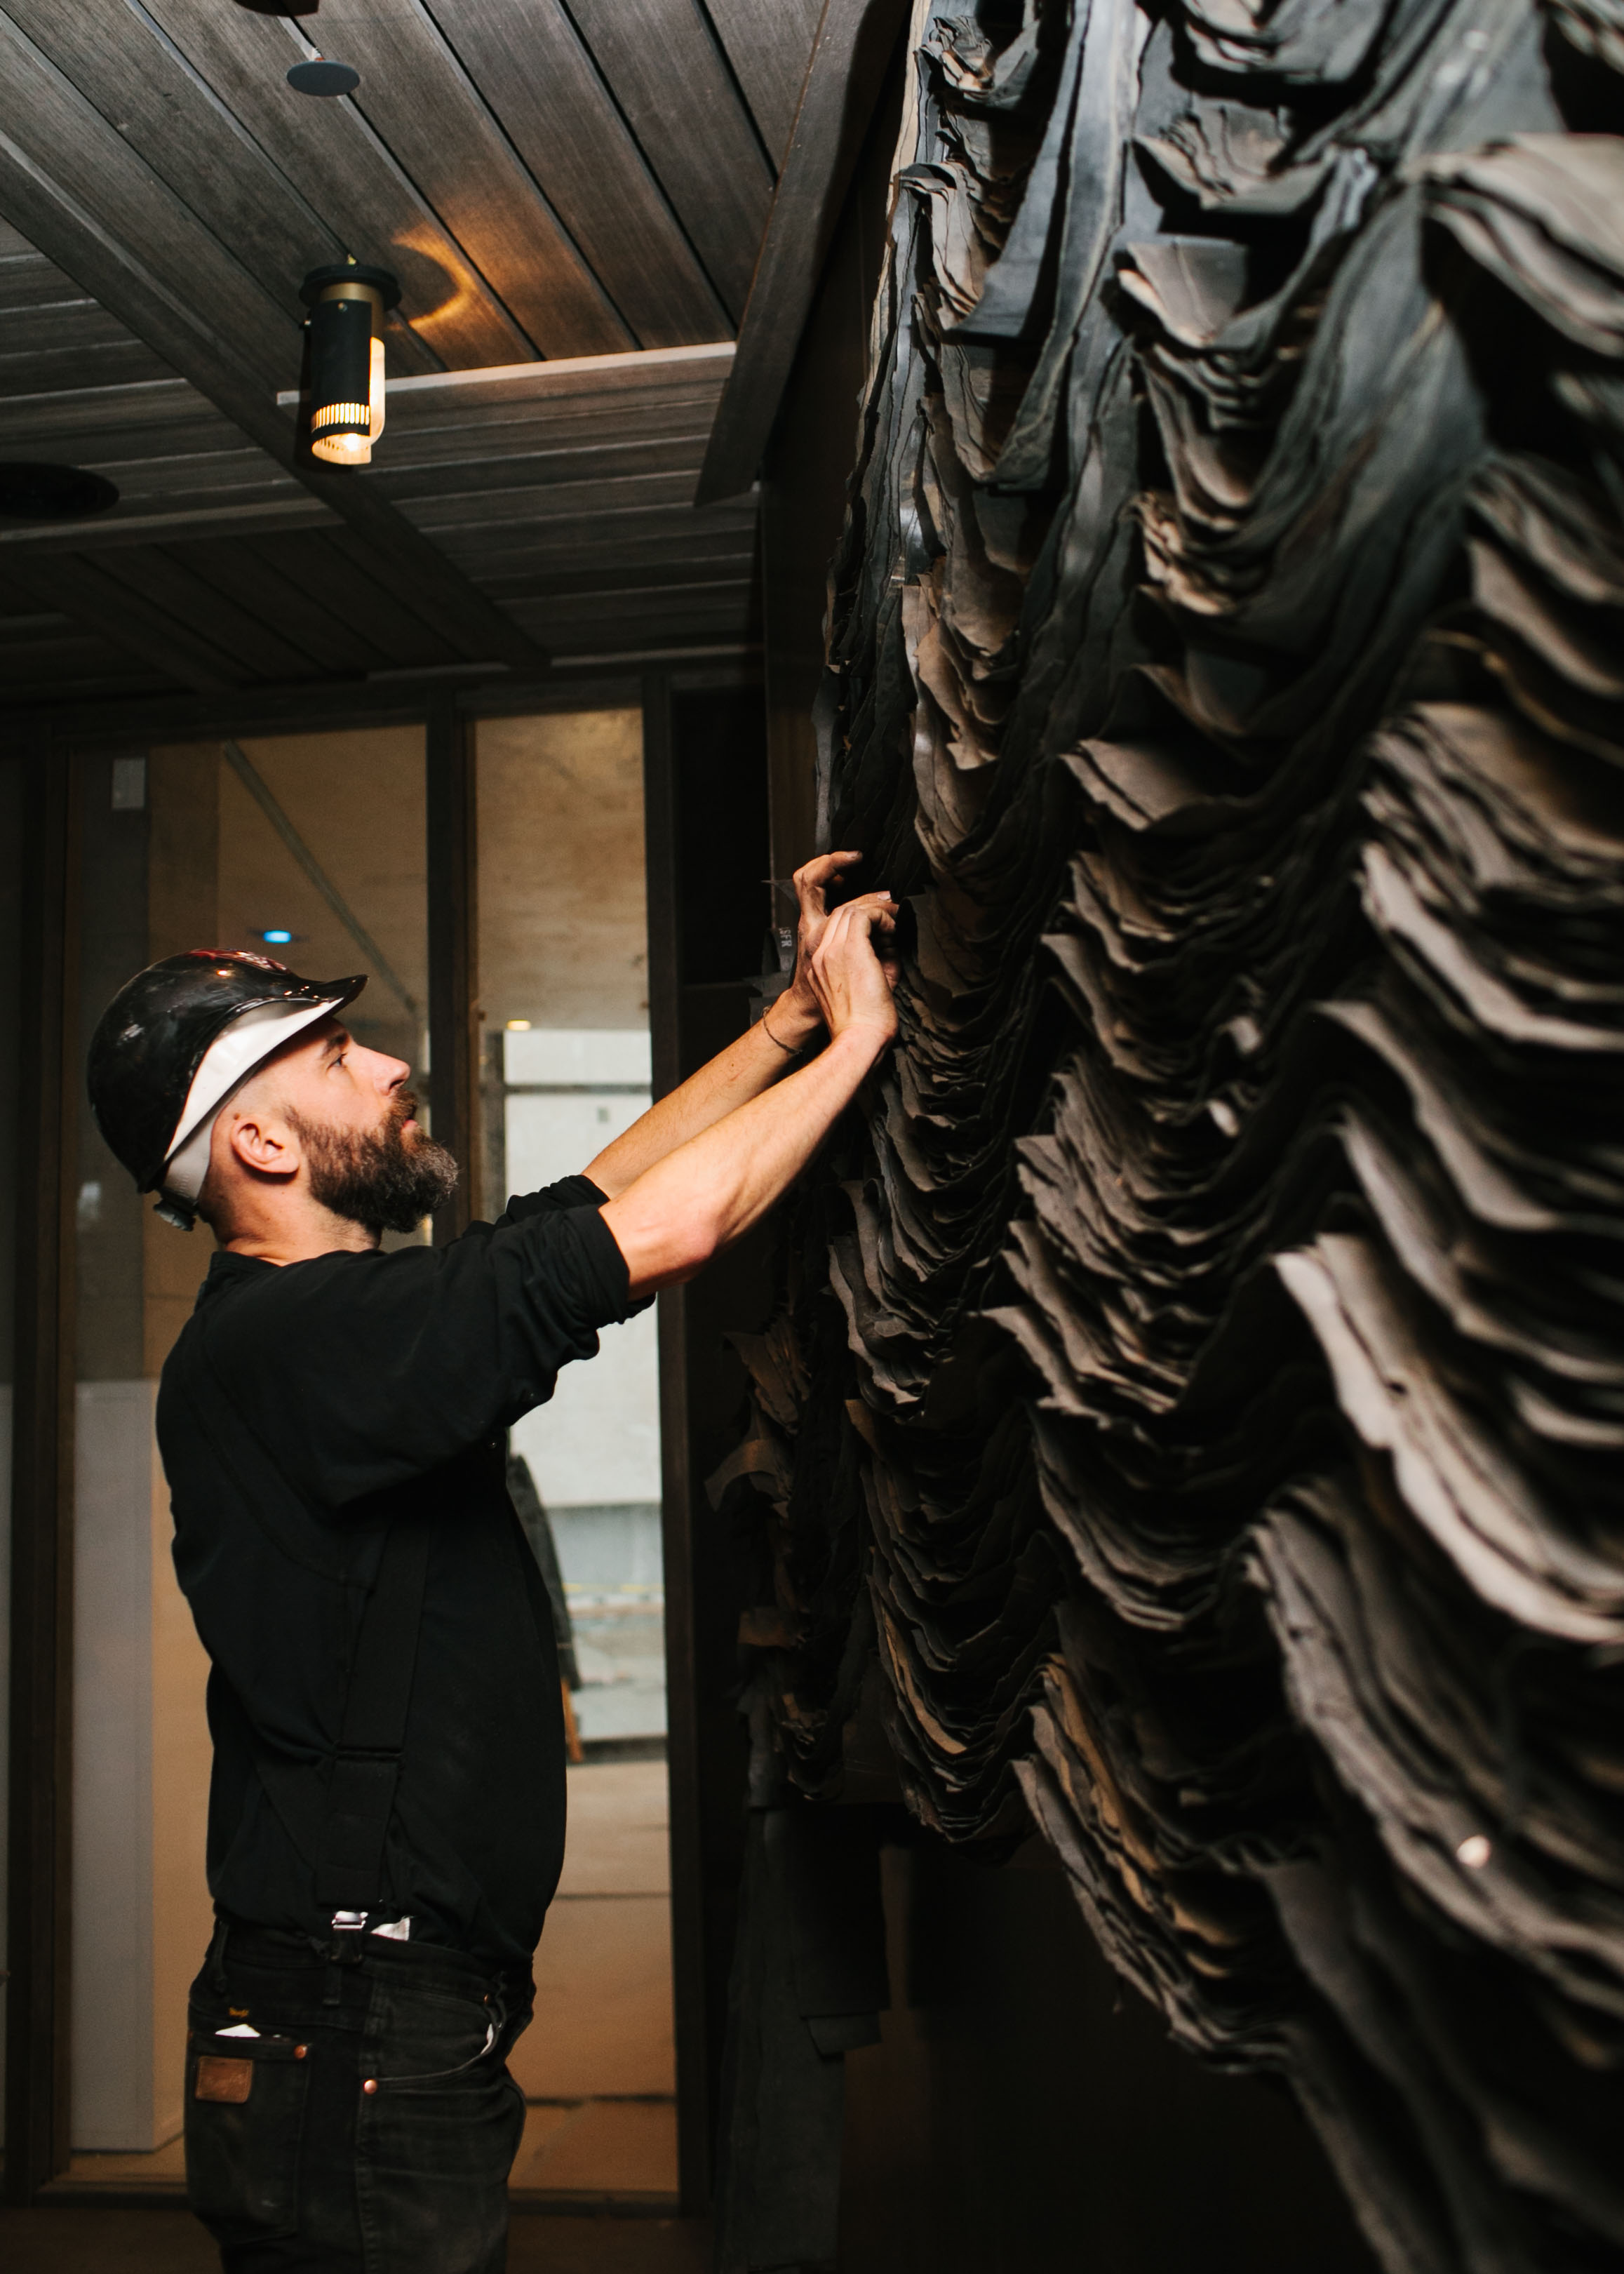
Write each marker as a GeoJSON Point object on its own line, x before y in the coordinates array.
{"type": "Point", "coordinates": [563, 980]}
{"type": "Point", "coordinates": [10, 959]}
{"type": "Point", "coordinates": [310, 848]}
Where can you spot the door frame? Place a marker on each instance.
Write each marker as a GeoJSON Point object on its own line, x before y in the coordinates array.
{"type": "Point", "coordinates": [49, 748]}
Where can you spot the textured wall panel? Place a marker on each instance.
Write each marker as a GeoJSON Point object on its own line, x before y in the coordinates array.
{"type": "Point", "coordinates": [1199, 1380]}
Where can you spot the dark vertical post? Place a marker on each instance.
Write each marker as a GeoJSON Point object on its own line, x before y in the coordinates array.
{"type": "Point", "coordinates": [454, 955]}
{"type": "Point", "coordinates": [41, 1811]}
{"type": "Point", "coordinates": [688, 1906]}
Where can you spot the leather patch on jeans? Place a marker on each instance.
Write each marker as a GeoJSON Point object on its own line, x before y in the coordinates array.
{"type": "Point", "coordinates": [223, 2080]}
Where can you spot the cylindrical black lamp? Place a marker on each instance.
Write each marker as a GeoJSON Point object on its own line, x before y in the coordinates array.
{"type": "Point", "coordinates": [347, 303]}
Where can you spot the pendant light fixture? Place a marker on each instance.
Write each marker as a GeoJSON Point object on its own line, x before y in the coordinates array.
{"type": "Point", "coordinates": [347, 301]}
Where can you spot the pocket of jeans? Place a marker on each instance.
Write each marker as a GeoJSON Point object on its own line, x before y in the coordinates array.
{"type": "Point", "coordinates": [438, 2041]}
{"type": "Point", "coordinates": [244, 2120]}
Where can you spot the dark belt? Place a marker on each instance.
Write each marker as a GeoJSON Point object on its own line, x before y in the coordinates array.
{"type": "Point", "coordinates": [240, 1939]}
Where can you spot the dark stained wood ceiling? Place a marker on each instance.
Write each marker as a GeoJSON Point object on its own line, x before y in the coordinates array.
{"type": "Point", "coordinates": [568, 193]}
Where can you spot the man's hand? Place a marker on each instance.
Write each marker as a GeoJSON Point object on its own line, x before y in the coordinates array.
{"type": "Point", "coordinates": [843, 981]}
{"type": "Point", "coordinates": [850, 974]}
{"type": "Point", "coordinates": [800, 1010]}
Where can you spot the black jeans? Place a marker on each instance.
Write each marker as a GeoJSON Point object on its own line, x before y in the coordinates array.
{"type": "Point", "coordinates": [368, 2127]}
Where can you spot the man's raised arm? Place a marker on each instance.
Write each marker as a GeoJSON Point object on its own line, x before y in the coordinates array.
{"type": "Point", "coordinates": [760, 1058]}
{"type": "Point", "coordinates": [700, 1198]}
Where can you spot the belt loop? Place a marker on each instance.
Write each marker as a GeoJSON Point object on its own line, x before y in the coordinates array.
{"type": "Point", "coordinates": [344, 1950]}
{"type": "Point", "coordinates": [215, 1962]}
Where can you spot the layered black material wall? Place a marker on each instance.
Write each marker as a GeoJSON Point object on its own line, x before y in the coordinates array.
{"type": "Point", "coordinates": [1199, 1378]}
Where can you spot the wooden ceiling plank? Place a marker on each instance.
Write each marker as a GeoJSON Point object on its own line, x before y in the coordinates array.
{"type": "Point", "coordinates": [676, 456]}
{"type": "Point", "coordinates": [651, 577]}
{"type": "Point", "coordinates": [541, 84]}
{"type": "Point", "coordinates": [116, 533]}
{"type": "Point", "coordinates": [540, 505]}
{"type": "Point", "coordinates": [165, 407]}
{"type": "Point", "coordinates": [56, 134]}
{"type": "Point", "coordinates": [630, 406]}
{"type": "Point", "coordinates": [112, 361]}
{"type": "Point", "coordinates": [426, 110]}
{"type": "Point", "coordinates": [343, 170]}
{"type": "Point", "coordinates": [75, 327]}
{"type": "Point", "coordinates": [27, 280]}
{"type": "Point", "coordinates": [394, 575]}
{"type": "Point", "coordinates": [323, 570]}
{"type": "Point", "coordinates": [484, 448]}
{"type": "Point", "coordinates": [768, 43]}
{"type": "Point", "coordinates": [661, 60]}
{"type": "Point", "coordinates": [157, 417]}
{"type": "Point", "coordinates": [162, 108]}
{"type": "Point", "coordinates": [591, 375]}
{"type": "Point", "coordinates": [650, 611]}
{"type": "Point", "coordinates": [854, 43]}
{"type": "Point", "coordinates": [580, 551]}
{"type": "Point", "coordinates": [249, 575]}
{"type": "Point", "coordinates": [163, 578]}
{"type": "Point", "coordinates": [81, 223]}
{"type": "Point", "coordinates": [199, 480]}
{"type": "Point", "coordinates": [713, 556]}
{"type": "Point", "coordinates": [84, 589]}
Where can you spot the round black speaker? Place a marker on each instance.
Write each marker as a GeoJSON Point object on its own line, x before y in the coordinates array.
{"type": "Point", "coordinates": [323, 77]}
{"type": "Point", "coordinates": [32, 491]}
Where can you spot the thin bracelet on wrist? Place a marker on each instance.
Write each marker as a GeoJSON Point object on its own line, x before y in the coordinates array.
{"type": "Point", "coordinates": [790, 1050]}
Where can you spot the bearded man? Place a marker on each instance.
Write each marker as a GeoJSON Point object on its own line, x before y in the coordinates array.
{"type": "Point", "coordinates": [387, 1810]}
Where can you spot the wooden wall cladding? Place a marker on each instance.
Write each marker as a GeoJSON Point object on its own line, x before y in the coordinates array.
{"type": "Point", "coordinates": [1200, 1375]}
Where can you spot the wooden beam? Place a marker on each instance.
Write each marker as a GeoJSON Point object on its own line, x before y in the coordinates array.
{"type": "Point", "coordinates": [686, 1833]}
{"type": "Point", "coordinates": [767, 42]}
{"type": "Point", "coordinates": [454, 955]}
{"type": "Point", "coordinates": [847, 70]}
{"type": "Point", "coordinates": [42, 1690]}
{"type": "Point", "coordinates": [79, 193]}
{"type": "Point", "coordinates": [598, 378]}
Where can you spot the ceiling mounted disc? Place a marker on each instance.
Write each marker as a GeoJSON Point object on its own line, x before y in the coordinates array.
{"type": "Point", "coordinates": [323, 77]}
{"type": "Point", "coordinates": [43, 492]}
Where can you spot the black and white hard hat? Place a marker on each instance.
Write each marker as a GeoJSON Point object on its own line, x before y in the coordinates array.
{"type": "Point", "coordinates": [175, 1044]}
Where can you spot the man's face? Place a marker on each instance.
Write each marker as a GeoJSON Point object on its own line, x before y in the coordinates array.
{"type": "Point", "coordinates": [366, 1156]}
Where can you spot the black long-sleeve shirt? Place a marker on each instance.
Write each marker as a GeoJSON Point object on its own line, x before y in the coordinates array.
{"type": "Point", "coordinates": [303, 1407]}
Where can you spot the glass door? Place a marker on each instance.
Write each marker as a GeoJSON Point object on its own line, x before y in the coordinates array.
{"type": "Point", "coordinates": [564, 1068]}
{"type": "Point", "coordinates": [10, 1072]}
{"type": "Point", "coordinates": [310, 848]}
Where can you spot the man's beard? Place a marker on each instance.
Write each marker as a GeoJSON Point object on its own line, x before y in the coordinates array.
{"type": "Point", "coordinates": [377, 1179]}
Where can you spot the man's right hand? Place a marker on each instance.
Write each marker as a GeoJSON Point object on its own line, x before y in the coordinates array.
{"type": "Point", "coordinates": [691, 1202]}
{"type": "Point", "coordinates": [851, 972]}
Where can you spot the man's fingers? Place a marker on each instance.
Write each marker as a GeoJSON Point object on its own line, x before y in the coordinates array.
{"type": "Point", "coordinates": [852, 921]}
{"type": "Point", "coordinates": [814, 877]}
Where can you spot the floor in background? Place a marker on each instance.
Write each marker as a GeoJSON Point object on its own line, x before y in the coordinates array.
{"type": "Point", "coordinates": [598, 2062]}
{"type": "Point", "coordinates": [80, 2241]}
{"type": "Point", "coordinates": [160, 2167]}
